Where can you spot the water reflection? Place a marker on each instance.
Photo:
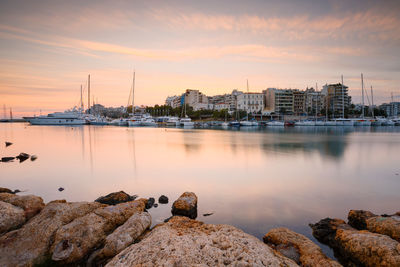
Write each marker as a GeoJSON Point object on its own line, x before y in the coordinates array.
{"type": "Point", "coordinates": [254, 179]}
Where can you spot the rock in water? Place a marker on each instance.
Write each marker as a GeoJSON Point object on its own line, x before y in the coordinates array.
{"type": "Point", "coordinates": [185, 205]}
{"type": "Point", "coordinates": [8, 144]}
{"type": "Point", "coordinates": [365, 220]}
{"type": "Point", "coordinates": [306, 252]}
{"type": "Point", "coordinates": [73, 241]}
{"type": "Point", "coordinates": [7, 159]}
{"type": "Point", "coordinates": [60, 189]}
{"type": "Point", "coordinates": [150, 203]}
{"type": "Point", "coordinates": [115, 198]}
{"type": "Point", "coordinates": [30, 244]}
{"type": "Point", "coordinates": [185, 242]}
{"type": "Point", "coordinates": [126, 234]}
{"type": "Point", "coordinates": [33, 157]}
{"type": "Point", "coordinates": [357, 248]}
{"type": "Point", "coordinates": [22, 157]}
{"type": "Point", "coordinates": [31, 204]}
{"type": "Point", "coordinates": [163, 199]}
{"type": "Point", "coordinates": [11, 217]}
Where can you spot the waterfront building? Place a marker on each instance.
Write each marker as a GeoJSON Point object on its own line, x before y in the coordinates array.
{"type": "Point", "coordinates": [196, 99]}
{"type": "Point", "coordinates": [250, 102]}
{"type": "Point", "coordinates": [299, 98]}
{"type": "Point", "coordinates": [391, 109]}
{"type": "Point", "coordinates": [313, 101]}
{"type": "Point", "coordinates": [335, 96]}
{"type": "Point", "coordinates": [174, 101]}
{"type": "Point", "coordinates": [279, 100]}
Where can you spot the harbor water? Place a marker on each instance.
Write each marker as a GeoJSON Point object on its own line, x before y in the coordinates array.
{"type": "Point", "coordinates": [254, 179]}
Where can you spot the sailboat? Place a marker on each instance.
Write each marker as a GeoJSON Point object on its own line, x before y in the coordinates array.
{"type": "Point", "coordinates": [247, 122]}
{"type": "Point", "coordinates": [134, 120]}
{"type": "Point", "coordinates": [362, 121]}
{"type": "Point", "coordinates": [185, 121]}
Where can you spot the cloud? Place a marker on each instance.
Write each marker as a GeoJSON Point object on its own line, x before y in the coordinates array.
{"type": "Point", "coordinates": [368, 25]}
{"type": "Point", "coordinates": [244, 52]}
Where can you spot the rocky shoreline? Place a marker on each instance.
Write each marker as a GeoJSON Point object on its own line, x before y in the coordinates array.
{"type": "Point", "coordinates": [114, 230]}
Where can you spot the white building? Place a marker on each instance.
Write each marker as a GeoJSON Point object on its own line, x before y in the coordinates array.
{"type": "Point", "coordinates": [250, 102]}
{"type": "Point", "coordinates": [196, 99]}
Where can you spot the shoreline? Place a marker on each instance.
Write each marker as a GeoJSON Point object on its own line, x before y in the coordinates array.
{"type": "Point", "coordinates": [116, 230]}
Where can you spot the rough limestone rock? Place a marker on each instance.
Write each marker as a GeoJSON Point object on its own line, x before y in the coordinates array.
{"type": "Point", "coordinates": [365, 220]}
{"type": "Point", "coordinates": [75, 240]}
{"type": "Point", "coordinates": [126, 234]}
{"type": "Point", "coordinates": [359, 248]}
{"type": "Point", "coordinates": [308, 253]}
{"type": "Point", "coordinates": [31, 204]}
{"type": "Point", "coordinates": [5, 190]}
{"type": "Point", "coordinates": [115, 198]}
{"type": "Point", "coordinates": [185, 205]}
{"type": "Point", "coordinates": [11, 217]}
{"type": "Point", "coordinates": [185, 242]}
{"type": "Point", "coordinates": [30, 244]}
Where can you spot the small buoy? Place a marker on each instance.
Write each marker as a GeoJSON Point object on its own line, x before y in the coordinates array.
{"type": "Point", "coordinates": [60, 189]}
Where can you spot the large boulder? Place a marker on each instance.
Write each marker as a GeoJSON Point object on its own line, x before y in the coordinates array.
{"type": "Point", "coordinates": [185, 205]}
{"type": "Point", "coordinates": [115, 198]}
{"type": "Point", "coordinates": [31, 204]}
{"type": "Point", "coordinates": [73, 241]}
{"type": "Point", "coordinates": [365, 220]}
{"type": "Point", "coordinates": [11, 217]}
{"type": "Point", "coordinates": [126, 234]}
{"type": "Point", "coordinates": [357, 248]}
{"type": "Point", "coordinates": [185, 242]}
{"type": "Point", "coordinates": [6, 190]}
{"type": "Point", "coordinates": [305, 252]}
{"type": "Point", "coordinates": [30, 244]}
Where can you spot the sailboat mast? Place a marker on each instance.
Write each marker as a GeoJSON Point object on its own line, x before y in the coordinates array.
{"type": "Point", "coordinates": [342, 99]}
{"type": "Point", "coordinates": [133, 94]}
{"type": "Point", "coordinates": [89, 93]}
{"type": "Point", "coordinates": [317, 101]}
{"type": "Point", "coordinates": [362, 92]}
{"type": "Point", "coordinates": [248, 99]}
{"type": "Point", "coordinates": [81, 100]}
{"type": "Point", "coordinates": [372, 99]}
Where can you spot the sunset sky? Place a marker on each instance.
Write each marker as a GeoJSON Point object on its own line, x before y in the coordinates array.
{"type": "Point", "coordinates": [47, 49]}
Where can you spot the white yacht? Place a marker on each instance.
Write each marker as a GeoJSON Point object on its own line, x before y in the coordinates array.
{"type": "Point", "coordinates": [362, 122]}
{"type": "Point", "coordinates": [186, 122]}
{"type": "Point", "coordinates": [246, 123]}
{"type": "Point", "coordinates": [58, 118]}
{"type": "Point", "coordinates": [148, 122]}
{"type": "Point", "coordinates": [320, 123]}
{"type": "Point", "coordinates": [275, 123]}
{"type": "Point", "coordinates": [344, 122]}
{"type": "Point", "coordinates": [172, 121]}
{"type": "Point", "coordinates": [330, 123]}
{"type": "Point", "coordinates": [305, 123]}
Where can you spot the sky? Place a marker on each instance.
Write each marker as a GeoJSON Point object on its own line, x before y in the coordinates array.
{"type": "Point", "coordinates": [49, 47]}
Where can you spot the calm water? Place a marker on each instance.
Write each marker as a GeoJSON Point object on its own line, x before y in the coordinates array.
{"type": "Point", "coordinates": [254, 180]}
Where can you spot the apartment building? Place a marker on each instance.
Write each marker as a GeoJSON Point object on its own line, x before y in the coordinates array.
{"type": "Point", "coordinates": [336, 97]}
